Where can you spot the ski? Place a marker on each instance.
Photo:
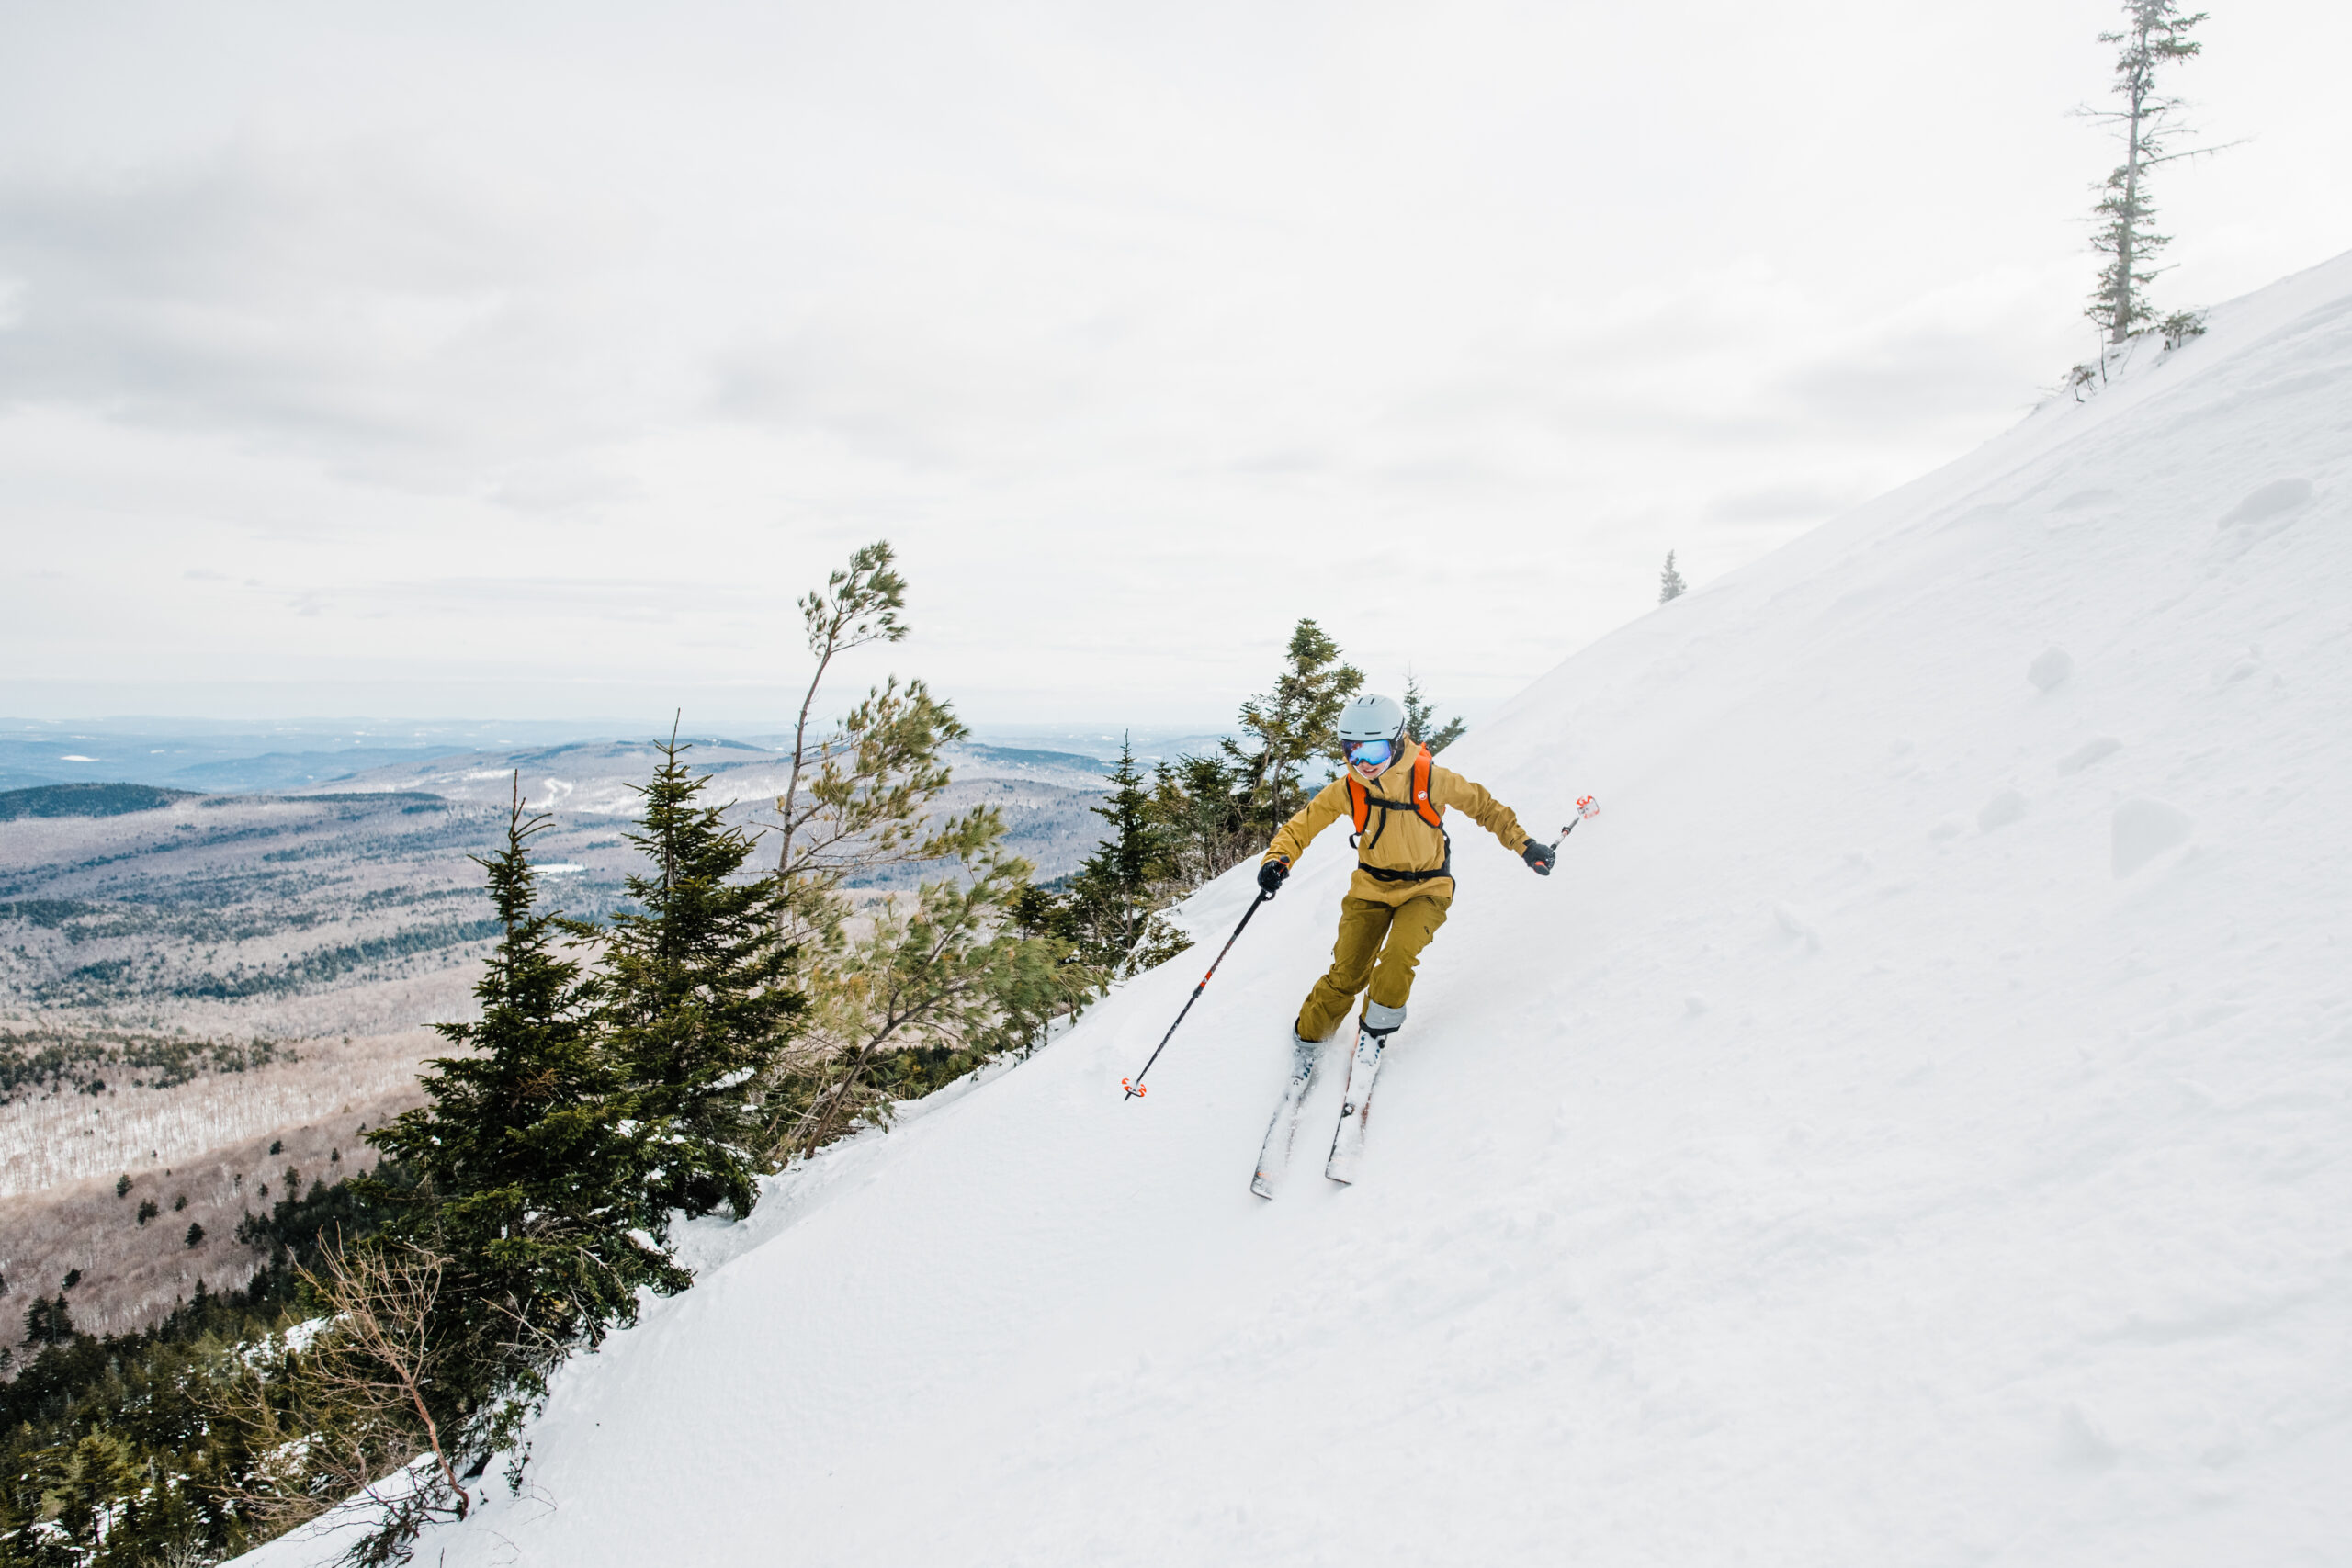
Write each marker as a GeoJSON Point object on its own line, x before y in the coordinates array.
{"type": "Point", "coordinates": [1282, 1130]}
{"type": "Point", "coordinates": [1347, 1144]}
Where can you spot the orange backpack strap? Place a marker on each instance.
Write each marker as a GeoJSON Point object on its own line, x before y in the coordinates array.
{"type": "Point", "coordinates": [1423, 806]}
{"type": "Point", "coordinates": [1360, 800]}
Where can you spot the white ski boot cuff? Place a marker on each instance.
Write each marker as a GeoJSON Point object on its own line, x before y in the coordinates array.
{"type": "Point", "coordinates": [1378, 1020]}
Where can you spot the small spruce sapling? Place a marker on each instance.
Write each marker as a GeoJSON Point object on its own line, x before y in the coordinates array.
{"type": "Point", "coordinates": [1670, 585]}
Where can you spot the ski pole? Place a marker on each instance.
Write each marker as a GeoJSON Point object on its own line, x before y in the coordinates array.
{"type": "Point", "coordinates": [1585, 806]}
{"type": "Point", "coordinates": [1135, 1086]}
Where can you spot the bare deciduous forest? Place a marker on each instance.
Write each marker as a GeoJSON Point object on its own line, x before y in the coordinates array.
{"type": "Point", "coordinates": [184, 985]}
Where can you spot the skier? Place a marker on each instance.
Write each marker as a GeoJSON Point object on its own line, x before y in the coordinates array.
{"type": "Point", "coordinates": [1397, 796]}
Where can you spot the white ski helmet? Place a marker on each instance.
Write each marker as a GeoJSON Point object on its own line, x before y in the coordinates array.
{"type": "Point", "coordinates": [1371, 717]}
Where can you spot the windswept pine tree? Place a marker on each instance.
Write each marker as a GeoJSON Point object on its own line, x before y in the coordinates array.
{"type": "Point", "coordinates": [2156, 36]}
{"type": "Point", "coordinates": [1670, 585]}
{"type": "Point", "coordinates": [905, 996]}
{"type": "Point", "coordinates": [859, 795]}
{"type": "Point", "coordinates": [694, 994]}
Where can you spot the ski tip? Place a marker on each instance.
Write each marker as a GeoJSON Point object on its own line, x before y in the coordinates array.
{"type": "Point", "coordinates": [1262, 1186]}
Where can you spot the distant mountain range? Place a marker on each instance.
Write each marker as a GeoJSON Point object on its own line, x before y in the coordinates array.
{"type": "Point", "coordinates": [225, 759]}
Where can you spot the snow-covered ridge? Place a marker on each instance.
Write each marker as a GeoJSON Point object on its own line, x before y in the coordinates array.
{"type": "Point", "coordinates": [1910, 1128]}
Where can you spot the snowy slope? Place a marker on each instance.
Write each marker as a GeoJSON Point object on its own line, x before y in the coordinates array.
{"type": "Point", "coordinates": [1911, 1128]}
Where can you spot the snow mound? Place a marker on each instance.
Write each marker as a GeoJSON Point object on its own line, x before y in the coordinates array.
{"type": "Point", "coordinates": [1910, 1127]}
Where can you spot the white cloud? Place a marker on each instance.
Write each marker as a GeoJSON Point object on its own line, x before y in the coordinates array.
{"type": "Point", "coordinates": [568, 344]}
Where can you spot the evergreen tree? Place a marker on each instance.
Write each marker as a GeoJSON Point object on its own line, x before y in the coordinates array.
{"type": "Point", "coordinates": [48, 1322]}
{"type": "Point", "coordinates": [1202, 810]}
{"type": "Point", "coordinates": [2155, 35]}
{"type": "Point", "coordinates": [902, 999]}
{"type": "Point", "coordinates": [1420, 721]}
{"type": "Point", "coordinates": [1293, 725]}
{"type": "Point", "coordinates": [858, 604]}
{"type": "Point", "coordinates": [693, 996]}
{"type": "Point", "coordinates": [859, 796]}
{"type": "Point", "coordinates": [1037, 911]}
{"type": "Point", "coordinates": [1670, 585]}
{"type": "Point", "coordinates": [528, 1166]}
{"type": "Point", "coordinates": [1114, 886]}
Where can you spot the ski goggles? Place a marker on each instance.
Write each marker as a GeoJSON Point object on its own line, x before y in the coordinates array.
{"type": "Point", "coordinates": [1371, 753]}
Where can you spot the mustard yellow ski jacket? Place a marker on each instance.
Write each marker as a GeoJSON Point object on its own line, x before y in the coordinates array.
{"type": "Point", "coordinates": [1399, 840]}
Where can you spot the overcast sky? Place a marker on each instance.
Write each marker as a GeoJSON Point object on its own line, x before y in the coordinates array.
{"type": "Point", "coordinates": [531, 359]}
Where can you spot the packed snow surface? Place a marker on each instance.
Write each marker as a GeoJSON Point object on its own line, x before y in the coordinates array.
{"type": "Point", "coordinates": [1911, 1127]}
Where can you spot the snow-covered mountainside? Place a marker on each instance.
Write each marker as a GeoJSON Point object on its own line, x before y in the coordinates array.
{"type": "Point", "coordinates": [1911, 1127]}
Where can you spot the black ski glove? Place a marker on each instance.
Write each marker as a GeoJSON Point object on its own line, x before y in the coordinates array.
{"type": "Point", "coordinates": [1270, 874]}
{"type": "Point", "coordinates": [1539, 857]}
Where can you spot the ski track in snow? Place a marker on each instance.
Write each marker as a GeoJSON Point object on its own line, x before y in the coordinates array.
{"type": "Point", "coordinates": [1911, 1126]}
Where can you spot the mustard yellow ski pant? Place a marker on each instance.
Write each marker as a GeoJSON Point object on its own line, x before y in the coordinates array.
{"type": "Point", "coordinates": [1379, 942]}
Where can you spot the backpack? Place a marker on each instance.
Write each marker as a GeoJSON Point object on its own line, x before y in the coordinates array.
{"type": "Point", "coordinates": [1361, 802]}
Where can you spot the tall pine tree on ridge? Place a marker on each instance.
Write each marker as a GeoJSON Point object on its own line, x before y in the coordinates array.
{"type": "Point", "coordinates": [2156, 36]}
